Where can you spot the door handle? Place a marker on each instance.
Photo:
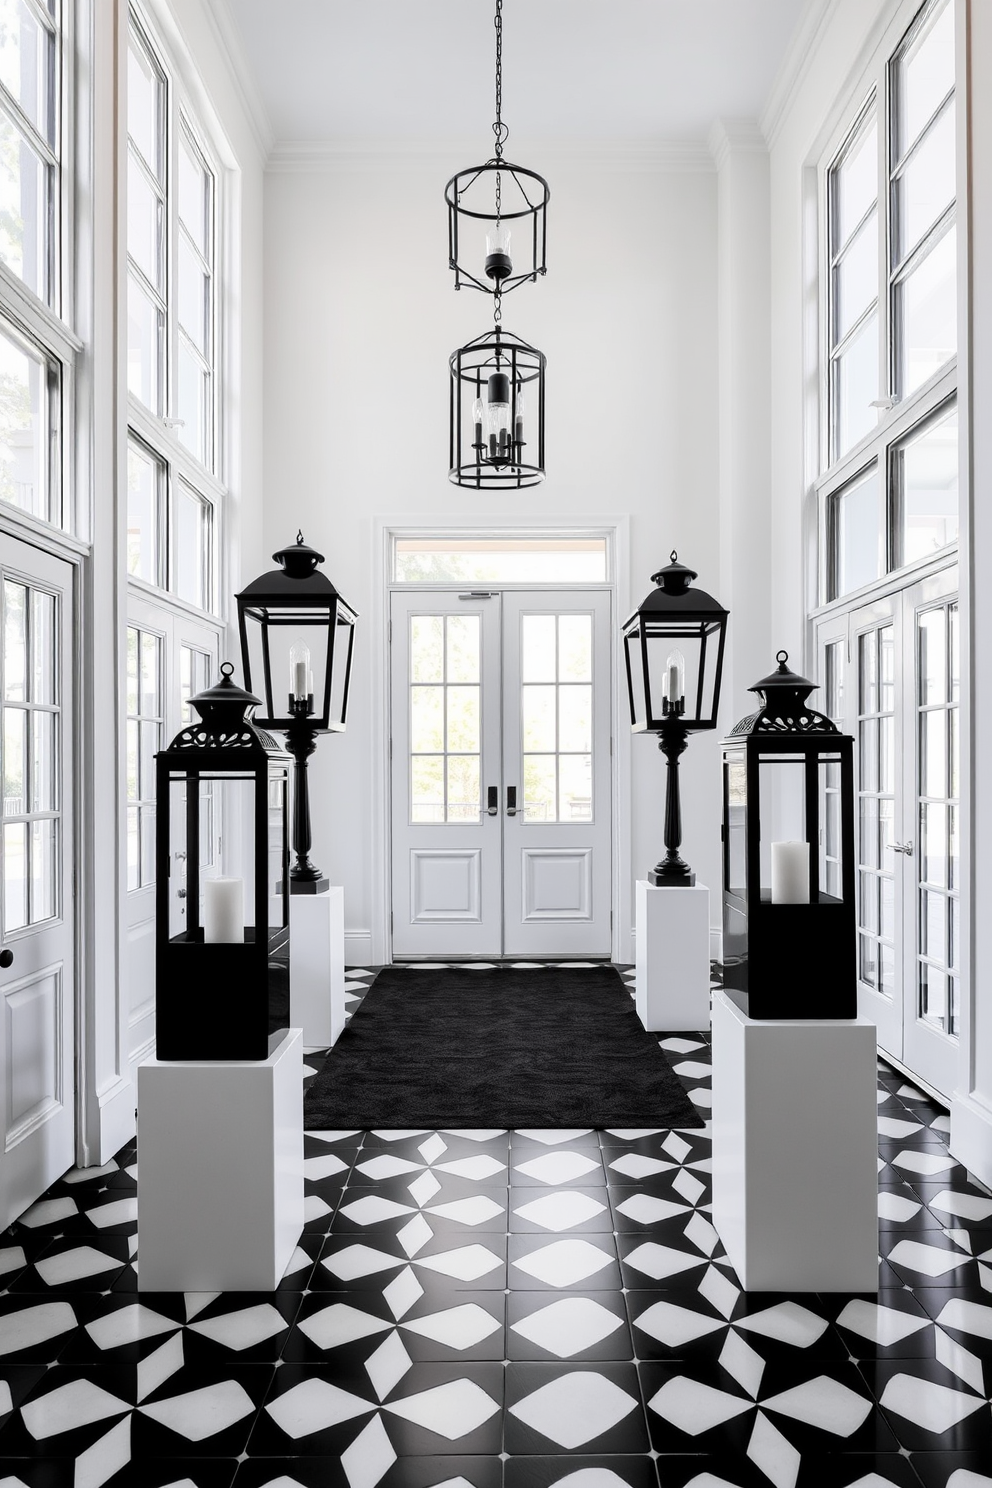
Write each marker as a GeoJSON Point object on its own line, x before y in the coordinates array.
{"type": "Point", "coordinates": [6, 958]}
{"type": "Point", "coordinates": [492, 801]}
{"type": "Point", "coordinates": [511, 800]}
{"type": "Point", "coordinates": [903, 847]}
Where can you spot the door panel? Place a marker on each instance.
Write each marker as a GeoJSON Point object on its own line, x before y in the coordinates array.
{"type": "Point", "coordinates": [38, 908]}
{"type": "Point", "coordinates": [501, 788]}
{"type": "Point", "coordinates": [901, 695]}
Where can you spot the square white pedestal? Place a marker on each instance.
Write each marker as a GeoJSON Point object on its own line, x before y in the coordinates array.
{"type": "Point", "coordinates": [220, 1191]}
{"type": "Point", "coordinates": [316, 966]}
{"type": "Point", "coordinates": [672, 957]}
{"type": "Point", "coordinates": [795, 1149]}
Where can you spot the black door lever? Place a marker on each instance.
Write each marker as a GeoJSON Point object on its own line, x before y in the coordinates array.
{"type": "Point", "coordinates": [511, 800]}
{"type": "Point", "coordinates": [492, 800]}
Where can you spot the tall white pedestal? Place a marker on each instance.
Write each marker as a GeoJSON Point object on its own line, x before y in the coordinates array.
{"type": "Point", "coordinates": [220, 1191]}
{"type": "Point", "coordinates": [672, 953]}
{"type": "Point", "coordinates": [795, 1148]}
{"type": "Point", "coordinates": [316, 966]}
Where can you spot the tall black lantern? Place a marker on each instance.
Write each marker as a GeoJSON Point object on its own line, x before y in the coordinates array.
{"type": "Point", "coordinates": [297, 639]}
{"type": "Point", "coordinates": [212, 978]}
{"type": "Point", "coordinates": [673, 648]}
{"type": "Point", "coordinates": [789, 921]}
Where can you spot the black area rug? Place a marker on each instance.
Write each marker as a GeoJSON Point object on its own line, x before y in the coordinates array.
{"type": "Point", "coordinates": [509, 1048]}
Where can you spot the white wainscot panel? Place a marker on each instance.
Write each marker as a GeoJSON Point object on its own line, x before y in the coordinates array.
{"type": "Point", "coordinates": [557, 883]}
{"type": "Point", "coordinates": [32, 1033]}
{"type": "Point", "coordinates": [445, 885]}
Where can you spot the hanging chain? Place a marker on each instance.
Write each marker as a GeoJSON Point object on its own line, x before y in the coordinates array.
{"type": "Point", "coordinates": [497, 305]}
{"type": "Point", "coordinates": [499, 128]}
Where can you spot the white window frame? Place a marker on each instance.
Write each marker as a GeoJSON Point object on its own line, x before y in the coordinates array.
{"type": "Point", "coordinates": [899, 417]}
{"type": "Point", "coordinates": [159, 434]}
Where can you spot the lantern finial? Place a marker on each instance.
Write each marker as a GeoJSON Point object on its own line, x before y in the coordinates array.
{"type": "Point", "coordinates": [298, 561]}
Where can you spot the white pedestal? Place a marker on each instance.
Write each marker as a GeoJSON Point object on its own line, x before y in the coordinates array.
{"type": "Point", "coordinates": [220, 1192]}
{"type": "Point", "coordinates": [795, 1148]}
{"type": "Point", "coordinates": [672, 957]}
{"type": "Point", "coordinates": [316, 966]}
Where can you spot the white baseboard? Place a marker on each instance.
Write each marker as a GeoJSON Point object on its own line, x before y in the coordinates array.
{"type": "Point", "coordinates": [971, 1136]}
{"type": "Point", "coordinates": [357, 947]}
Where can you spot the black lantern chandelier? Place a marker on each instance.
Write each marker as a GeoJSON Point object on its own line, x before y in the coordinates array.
{"type": "Point", "coordinates": [673, 648]}
{"type": "Point", "coordinates": [497, 380]}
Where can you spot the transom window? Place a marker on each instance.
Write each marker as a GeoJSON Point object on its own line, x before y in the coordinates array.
{"type": "Point", "coordinates": [889, 493]}
{"type": "Point", "coordinates": [500, 560]}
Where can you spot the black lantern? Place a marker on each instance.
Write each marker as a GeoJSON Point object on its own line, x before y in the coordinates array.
{"type": "Point", "coordinates": [497, 413]}
{"type": "Point", "coordinates": [212, 978]}
{"type": "Point", "coordinates": [789, 920]}
{"type": "Point", "coordinates": [673, 648]}
{"type": "Point", "coordinates": [297, 639]}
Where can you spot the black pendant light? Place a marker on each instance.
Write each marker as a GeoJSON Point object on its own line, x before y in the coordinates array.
{"type": "Point", "coordinates": [497, 380]}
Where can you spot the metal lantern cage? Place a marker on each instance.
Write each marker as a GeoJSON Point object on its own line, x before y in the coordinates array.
{"type": "Point", "coordinates": [516, 235]}
{"type": "Point", "coordinates": [789, 918]}
{"type": "Point", "coordinates": [212, 976]}
{"type": "Point", "coordinates": [497, 413]}
{"type": "Point", "coordinates": [673, 651]}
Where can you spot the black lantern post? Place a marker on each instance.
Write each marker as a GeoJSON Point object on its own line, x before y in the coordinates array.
{"type": "Point", "coordinates": [212, 979]}
{"type": "Point", "coordinates": [298, 634]}
{"type": "Point", "coordinates": [789, 918]}
{"type": "Point", "coordinates": [673, 648]}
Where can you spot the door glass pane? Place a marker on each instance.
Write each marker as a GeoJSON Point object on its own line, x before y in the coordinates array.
{"type": "Point", "coordinates": [933, 751]}
{"type": "Point", "coordinates": [926, 314]}
{"type": "Point", "coordinates": [539, 719]}
{"type": "Point", "coordinates": [855, 387]}
{"type": "Point", "coordinates": [540, 787]}
{"type": "Point", "coordinates": [44, 878]}
{"type": "Point", "coordinates": [143, 736]}
{"type": "Point", "coordinates": [427, 719]}
{"type": "Point", "coordinates": [575, 787]}
{"type": "Point", "coordinates": [876, 804]}
{"type": "Point", "coordinates": [427, 649]}
{"type": "Point", "coordinates": [575, 648]}
{"type": "Point", "coordinates": [933, 657]}
{"type": "Point", "coordinates": [937, 874]}
{"type": "Point", "coordinates": [854, 535]}
{"type": "Point", "coordinates": [45, 678]}
{"type": "Point", "coordinates": [15, 875]}
{"type": "Point", "coordinates": [427, 788]}
{"type": "Point", "coordinates": [463, 719]}
{"type": "Point", "coordinates": [15, 732]}
{"type": "Point", "coordinates": [463, 788]}
{"type": "Point", "coordinates": [538, 647]}
{"type": "Point", "coordinates": [575, 718]}
{"type": "Point", "coordinates": [42, 761]}
{"type": "Point", "coordinates": [463, 648]}
{"type": "Point", "coordinates": [24, 429]}
{"type": "Point", "coordinates": [15, 597]}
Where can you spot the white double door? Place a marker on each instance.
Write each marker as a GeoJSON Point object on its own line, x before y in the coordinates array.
{"type": "Point", "coordinates": [37, 911]}
{"type": "Point", "coordinates": [501, 773]}
{"type": "Point", "coordinates": [891, 672]}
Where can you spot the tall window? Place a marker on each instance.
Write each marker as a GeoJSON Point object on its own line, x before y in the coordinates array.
{"type": "Point", "coordinates": [174, 494]}
{"type": "Point", "coordinates": [889, 493]}
{"type": "Point", "coordinates": [37, 350]}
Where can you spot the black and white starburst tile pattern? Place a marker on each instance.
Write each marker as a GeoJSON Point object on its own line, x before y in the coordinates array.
{"type": "Point", "coordinates": [491, 1309]}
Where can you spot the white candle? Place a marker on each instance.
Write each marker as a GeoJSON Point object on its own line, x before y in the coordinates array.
{"type": "Point", "coordinates": [301, 687]}
{"type": "Point", "coordinates": [673, 684]}
{"type": "Point", "coordinates": [790, 872]}
{"type": "Point", "coordinates": [223, 911]}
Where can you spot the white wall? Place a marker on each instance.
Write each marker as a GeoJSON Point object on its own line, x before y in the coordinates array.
{"type": "Point", "coordinates": [360, 318]}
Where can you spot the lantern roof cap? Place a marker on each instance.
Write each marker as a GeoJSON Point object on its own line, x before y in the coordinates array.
{"type": "Point", "coordinates": [297, 579]}
{"type": "Point", "coordinates": [225, 704]}
{"type": "Point", "coordinates": [783, 678]}
{"type": "Point", "coordinates": [674, 593]}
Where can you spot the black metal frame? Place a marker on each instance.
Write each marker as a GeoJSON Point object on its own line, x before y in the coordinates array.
{"type": "Point", "coordinates": [212, 1001]}
{"type": "Point", "coordinates": [529, 184]}
{"type": "Point", "coordinates": [297, 611]}
{"type": "Point", "coordinates": [470, 368]}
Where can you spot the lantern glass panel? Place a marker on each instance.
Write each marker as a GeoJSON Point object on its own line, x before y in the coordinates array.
{"type": "Point", "coordinates": [734, 827]}
{"type": "Point", "coordinates": [782, 792]}
{"type": "Point", "coordinates": [699, 671]}
{"type": "Point", "coordinates": [635, 673]}
{"type": "Point", "coordinates": [344, 639]}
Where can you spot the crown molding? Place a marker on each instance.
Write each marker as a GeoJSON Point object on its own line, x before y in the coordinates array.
{"type": "Point", "coordinates": [795, 65]}
{"type": "Point", "coordinates": [227, 33]}
{"type": "Point", "coordinates": [737, 137]}
{"type": "Point", "coordinates": [332, 156]}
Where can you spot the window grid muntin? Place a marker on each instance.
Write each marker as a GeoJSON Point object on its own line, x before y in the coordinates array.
{"type": "Point", "coordinates": [949, 891]}
{"type": "Point", "coordinates": [899, 417]}
{"type": "Point", "coordinates": [159, 429]}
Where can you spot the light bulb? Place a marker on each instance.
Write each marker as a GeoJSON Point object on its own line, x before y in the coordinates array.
{"type": "Point", "coordinates": [300, 675]}
{"type": "Point", "coordinates": [498, 411]}
{"type": "Point", "coordinates": [519, 409]}
{"type": "Point", "coordinates": [498, 261]}
{"type": "Point", "coordinates": [675, 681]}
{"type": "Point", "coordinates": [478, 414]}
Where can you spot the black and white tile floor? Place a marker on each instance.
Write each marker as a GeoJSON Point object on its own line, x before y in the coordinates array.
{"type": "Point", "coordinates": [506, 1310]}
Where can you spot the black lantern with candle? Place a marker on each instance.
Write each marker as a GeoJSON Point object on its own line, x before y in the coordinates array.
{"type": "Point", "coordinates": [673, 650]}
{"type": "Point", "coordinates": [297, 640]}
{"type": "Point", "coordinates": [211, 967]}
{"type": "Point", "coordinates": [789, 919]}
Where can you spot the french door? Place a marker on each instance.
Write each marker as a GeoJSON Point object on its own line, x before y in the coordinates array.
{"type": "Point", "coordinates": [501, 773]}
{"type": "Point", "coordinates": [891, 670]}
{"type": "Point", "coordinates": [37, 911]}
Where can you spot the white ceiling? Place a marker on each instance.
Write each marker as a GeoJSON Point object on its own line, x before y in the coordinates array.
{"type": "Point", "coordinates": [360, 71]}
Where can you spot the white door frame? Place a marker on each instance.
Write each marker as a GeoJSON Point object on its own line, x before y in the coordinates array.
{"type": "Point", "coordinates": [476, 524]}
